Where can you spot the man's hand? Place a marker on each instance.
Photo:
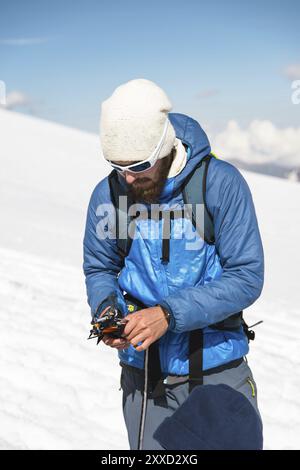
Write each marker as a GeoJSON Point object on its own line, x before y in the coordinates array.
{"type": "Point", "coordinates": [118, 343]}
{"type": "Point", "coordinates": [145, 325]}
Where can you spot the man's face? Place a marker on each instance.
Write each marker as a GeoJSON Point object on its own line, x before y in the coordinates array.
{"type": "Point", "coordinates": [146, 186]}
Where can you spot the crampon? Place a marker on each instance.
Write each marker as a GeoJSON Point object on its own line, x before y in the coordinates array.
{"type": "Point", "coordinates": [111, 323]}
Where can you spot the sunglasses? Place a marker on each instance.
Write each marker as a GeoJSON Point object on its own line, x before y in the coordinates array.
{"type": "Point", "coordinates": [144, 165]}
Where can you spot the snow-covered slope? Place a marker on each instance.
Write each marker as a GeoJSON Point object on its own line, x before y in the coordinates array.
{"type": "Point", "coordinates": [47, 172]}
{"type": "Point", "coordinates": [59, 390]}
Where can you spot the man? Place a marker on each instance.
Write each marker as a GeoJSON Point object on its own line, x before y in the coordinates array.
{"type": "Point", "coordinates": [183, 287]}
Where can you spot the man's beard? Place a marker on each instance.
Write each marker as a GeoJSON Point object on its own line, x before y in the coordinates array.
{"type": "Point", "coordinates": [146, 190]}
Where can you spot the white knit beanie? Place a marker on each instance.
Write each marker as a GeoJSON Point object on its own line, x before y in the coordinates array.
{"type": "Point", "coordinates": [133, 120]}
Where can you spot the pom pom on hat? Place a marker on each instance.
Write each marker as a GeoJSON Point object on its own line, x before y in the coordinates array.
{"type": "Point", "coordinates": [133, 120]}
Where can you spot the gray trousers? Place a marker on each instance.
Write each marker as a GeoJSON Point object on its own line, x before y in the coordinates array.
{"type": "Point", "coordinates": [132, 383]}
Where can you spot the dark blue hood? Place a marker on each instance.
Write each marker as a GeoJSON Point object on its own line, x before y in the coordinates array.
{"type": "Point", "coordinates": [191, 134]}
{"type": "Point", "coordinates": [189, 131]}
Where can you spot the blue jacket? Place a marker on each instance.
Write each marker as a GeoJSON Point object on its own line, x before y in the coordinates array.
{"type": "Point", "coordinates": [199, 286]}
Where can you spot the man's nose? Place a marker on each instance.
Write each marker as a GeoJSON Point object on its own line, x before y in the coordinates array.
{"type": "Point", "coordinates": [129, 177]}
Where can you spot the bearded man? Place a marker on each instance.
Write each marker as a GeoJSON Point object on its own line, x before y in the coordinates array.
{"type": "Point", "coordinates": [187, 299]}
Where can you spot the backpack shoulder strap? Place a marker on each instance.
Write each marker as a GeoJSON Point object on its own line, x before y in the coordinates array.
{"type": "Point", "coordinates": [122, 219]}
{"type": "Point", "coordinates": [194, 192]}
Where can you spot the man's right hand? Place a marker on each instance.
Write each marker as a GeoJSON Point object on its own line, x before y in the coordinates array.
{"type": "Point", "coordinates": [118, 343]}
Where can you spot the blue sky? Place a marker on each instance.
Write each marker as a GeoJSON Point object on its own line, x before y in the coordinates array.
{"type": "Point", "coordinates": [217, 60]}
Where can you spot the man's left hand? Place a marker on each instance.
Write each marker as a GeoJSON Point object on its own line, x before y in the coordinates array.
{"type": "Point", "coordinates": [145, 325]}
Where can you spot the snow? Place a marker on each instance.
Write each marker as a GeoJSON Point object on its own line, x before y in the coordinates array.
{"type": "Point", "coordinates": [60, 391]}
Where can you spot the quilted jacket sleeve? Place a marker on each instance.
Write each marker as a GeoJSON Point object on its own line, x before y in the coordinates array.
{"type": "Point", "coordinates": [102, 263]}
{"type": "Point", "coordinates": [240, 249]}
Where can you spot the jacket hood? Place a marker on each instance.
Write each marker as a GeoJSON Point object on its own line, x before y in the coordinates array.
{"type": "Point", "coordinates": [189, 131]}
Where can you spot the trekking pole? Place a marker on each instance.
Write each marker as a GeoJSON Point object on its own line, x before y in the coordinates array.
{"type": "Point", "coordinates": [144, 403]}
{"type": "Point", "coordinates": [255, 324]}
